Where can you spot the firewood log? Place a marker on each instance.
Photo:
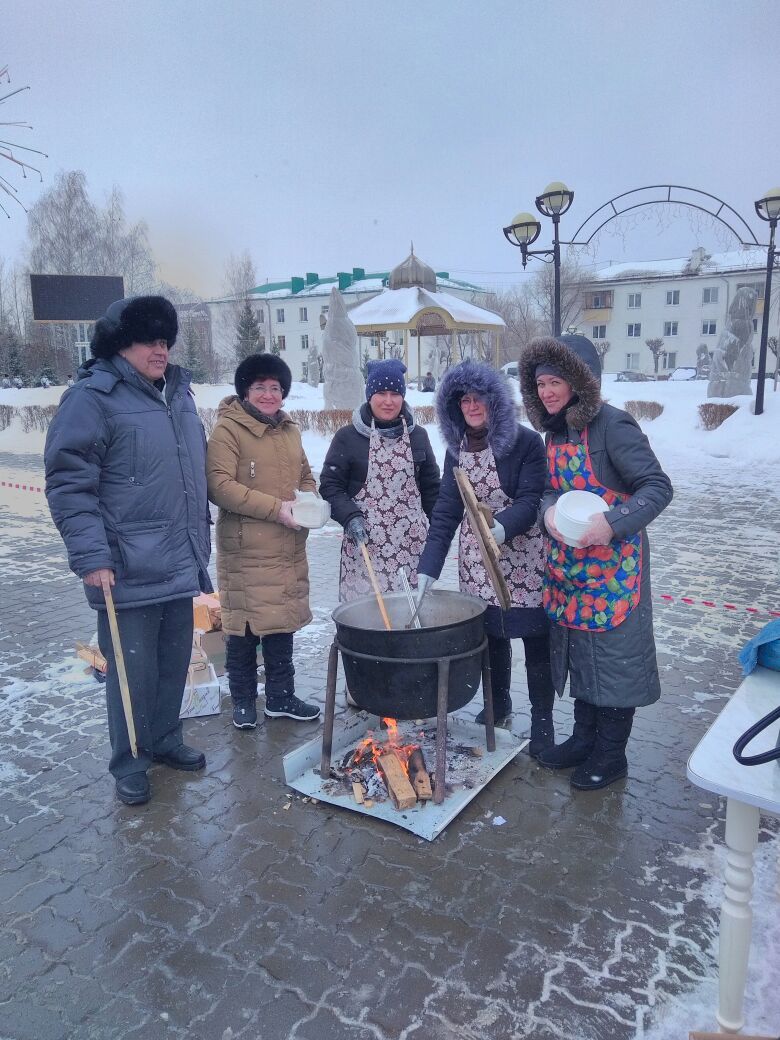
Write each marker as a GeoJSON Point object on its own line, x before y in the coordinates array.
{"type": "Point", "coordinates": [418, 774]}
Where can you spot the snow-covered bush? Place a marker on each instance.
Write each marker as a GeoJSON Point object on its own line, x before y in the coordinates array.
{"type": "Point", "coordinates": [712, 414]}
{"type": "Point", "coordinates": [644, 409]}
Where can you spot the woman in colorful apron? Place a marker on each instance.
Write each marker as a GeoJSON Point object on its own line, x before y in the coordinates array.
{"type": "Point", "coordinates": [597, 593]}
{"type": "Point", "coordinates": [505, 463]}
{"type": "Point", "coordinates": [382, 479]}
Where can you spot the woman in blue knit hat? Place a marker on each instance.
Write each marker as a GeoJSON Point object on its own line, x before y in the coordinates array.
{"type": "Point", "coordinates": [382, 480]}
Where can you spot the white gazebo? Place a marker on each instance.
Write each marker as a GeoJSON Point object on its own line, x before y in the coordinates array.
{"type": "Point", "coordinates": [412, 306]}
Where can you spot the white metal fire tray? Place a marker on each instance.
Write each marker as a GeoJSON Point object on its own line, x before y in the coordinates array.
{"type": "Point", "coordinates": [465, 777]}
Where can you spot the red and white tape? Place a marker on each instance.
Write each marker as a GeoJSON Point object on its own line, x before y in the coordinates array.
{"type": "Point", "coordinates": [688, 600]}
{"type": "Point", "coordinates": [691, 602]}
{"type": "Point", "coordinates": [20, 487]}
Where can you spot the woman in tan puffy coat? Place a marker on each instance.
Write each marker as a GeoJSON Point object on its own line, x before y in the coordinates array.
{"type": "Point", "coordinates": [255, 463]}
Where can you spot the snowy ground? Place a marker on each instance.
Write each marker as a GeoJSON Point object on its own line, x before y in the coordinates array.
{"type": "Point", "coordinates": [726, 483]}
{"type": "Point", "coordinates": [744, 447]}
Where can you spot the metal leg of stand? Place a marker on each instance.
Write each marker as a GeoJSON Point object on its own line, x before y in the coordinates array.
{"type": "Point", "coordinates": [330, 710]}
{"type": "Point", "coordinates": [443, 669]}
{"type": "Point", "coordinates": [487, 693]}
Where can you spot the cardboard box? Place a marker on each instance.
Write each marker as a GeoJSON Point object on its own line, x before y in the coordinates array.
{"type": "Point", "coordinates": [207, 612]}
{"type": "Point", "coordinates": [213, 645]}
{"type": "Point", "coordinates": [202, 696]}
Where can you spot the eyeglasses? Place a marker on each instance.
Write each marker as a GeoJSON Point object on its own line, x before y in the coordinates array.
{"type": "Point", "coordinates": [265, 391]}
{"type": "Point", "coordinates": [470, 399]}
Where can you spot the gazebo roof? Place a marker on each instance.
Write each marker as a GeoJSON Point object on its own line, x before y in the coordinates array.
{"type": "Point", "coordinates": [417, 308]}
{"type": "Point", "coordinates": [412, 271]}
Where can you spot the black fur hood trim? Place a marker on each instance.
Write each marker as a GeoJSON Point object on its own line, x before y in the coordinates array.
{"type": "Point", "coordinates": [584, 381]}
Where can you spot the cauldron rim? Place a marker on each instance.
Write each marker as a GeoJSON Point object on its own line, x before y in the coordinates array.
{"type": "Point", "coordinates": [454, 594]}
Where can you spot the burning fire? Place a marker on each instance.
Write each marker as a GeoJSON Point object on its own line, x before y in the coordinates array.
{"type": "Point", "coordinates": [370, 750]}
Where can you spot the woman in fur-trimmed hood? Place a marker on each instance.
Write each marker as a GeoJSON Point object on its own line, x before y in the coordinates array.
{"type": "Point", "coordinates": [504, 461]}
{"type": "Point", "coordinates": [597, 591]}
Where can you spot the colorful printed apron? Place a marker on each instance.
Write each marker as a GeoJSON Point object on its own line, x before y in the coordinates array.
{"type": "Point", "coordinates": [393, 514]}
{"type": "Point", "coordinates": [521, 560]}
{"type": "Point", "coordinates": [595, 588]}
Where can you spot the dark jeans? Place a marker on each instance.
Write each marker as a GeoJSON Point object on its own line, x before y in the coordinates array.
{"type": "Point", "coordinates": [537, 651]}
{"type": "Point", "coordinates": [241, 665]}
{"type": "Point", "coordinates": [157, 646]}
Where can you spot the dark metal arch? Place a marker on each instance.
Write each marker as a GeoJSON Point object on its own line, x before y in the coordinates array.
{"type": "Point", "coordinates": [613, 211]}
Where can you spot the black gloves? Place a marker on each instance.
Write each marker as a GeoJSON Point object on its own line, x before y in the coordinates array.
{"type": "Point", "coordinates": [356, 530]}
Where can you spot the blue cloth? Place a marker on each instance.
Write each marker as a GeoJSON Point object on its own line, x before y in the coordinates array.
{"type": "Point", "coordinates": [385, 375]}
{"type": "Point", "coordinates": [763, 649]}
{"type": "Point", "coordinates": [126, 483]}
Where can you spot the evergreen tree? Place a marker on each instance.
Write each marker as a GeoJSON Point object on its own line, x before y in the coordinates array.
{"type": "Point", "coordinates": [191, 355]}
{"type": "Point", "coordinates": [364, 365]}
{"type": "Point", "coordinates": [247, 333]}
{"type": "Point", "coordinates": [15, 366]}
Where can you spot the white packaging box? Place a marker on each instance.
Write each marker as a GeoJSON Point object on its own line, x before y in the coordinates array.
{"type": "Point", "coordinates": [202, 698]}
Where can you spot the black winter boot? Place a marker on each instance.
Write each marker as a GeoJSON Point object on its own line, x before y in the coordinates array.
{"type": "Point", "coordinates": [607, 761]}
{"type": "Point", "coordinates": [541, 694]}
{"type": "Point", "coordinates": [579, 745]}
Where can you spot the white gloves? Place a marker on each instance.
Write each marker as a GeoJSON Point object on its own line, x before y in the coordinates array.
{"type": "Point", "coordinates": [498, 532]}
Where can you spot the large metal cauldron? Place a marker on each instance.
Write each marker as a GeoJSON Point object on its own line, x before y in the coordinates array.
{"type": "Point", "coordinates": [401, 681]}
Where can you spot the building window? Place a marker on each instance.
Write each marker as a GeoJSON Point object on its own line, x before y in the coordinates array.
{"type": "Point", "coordinates": [261, 345]}
{"type": "Point", "coordinates": [599, 332]}
{"type": "Point", "coordinates": [635, 329]}
{"type": "Point", "coordinates": [709, 328]}
{"type": "Point", "coordinates": [709, 295]}
{"type": "Point", "coordinates": [632, 362]}
{"type": "Point", "coordinates": [755, 324]}
{"type": "Point", "coordinates": [281, 343]}
{"type": "Point", "coordinates": [757, 287]}
{"type": "Point", "coordinates": [670, 328]}
{"type": "Point", "coordinates": [304, 342]}
{"type": "Point", "coordinates": [634, 300]}
{"type": "Point", "coordinates": [597, 300]}
{"type": "Point", "coordinates": [673, 297]}
{"type": "Point", "coordinates": [280, 315]}
{"type": "Point", "coordinates": [303, 314]}
{"type": "Point", "coordinates": [669, 360]}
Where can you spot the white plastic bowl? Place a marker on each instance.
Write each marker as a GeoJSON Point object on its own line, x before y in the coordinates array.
{"type": "Point", "coordinates": [574, 512]}
{"type": "Point", "coordinates": [309, 510]}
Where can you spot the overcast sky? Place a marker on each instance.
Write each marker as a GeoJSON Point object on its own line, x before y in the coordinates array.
{"type": "Point", "coordinates": [325, 135]}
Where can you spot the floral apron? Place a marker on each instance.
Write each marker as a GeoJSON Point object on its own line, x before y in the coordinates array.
{"type": "Point", "coordinates": [595, 588]}
{"type": "Point", "coordinates": [393, 514]}
{"type": "Point", "coordinates": [521, 560]}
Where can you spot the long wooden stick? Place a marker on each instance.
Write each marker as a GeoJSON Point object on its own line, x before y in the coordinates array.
{"type": "Point", "coordinates": [119, 657]}
{"type": "Point", "coordinates": [375, 584]}
{"type": "Point", "coordinates": [488, 549]}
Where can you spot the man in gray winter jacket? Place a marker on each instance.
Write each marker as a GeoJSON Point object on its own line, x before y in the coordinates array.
{"type": "Point", "coordinates": [126, 486]}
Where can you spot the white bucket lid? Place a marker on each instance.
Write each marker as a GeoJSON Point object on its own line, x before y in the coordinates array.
{"type": "Point", "coordinates": [580, 506]}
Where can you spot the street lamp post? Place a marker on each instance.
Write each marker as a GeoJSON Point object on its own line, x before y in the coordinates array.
{"type": "Point", "coordinates": [768, 208]}
{"type": "Point", "coordinates": [525, 229]}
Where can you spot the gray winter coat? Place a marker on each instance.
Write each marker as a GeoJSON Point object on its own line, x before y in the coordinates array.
{"type": "Point", "coordinates": [126, 483]}
{"type": "Point", "coordinates": [615, 668]}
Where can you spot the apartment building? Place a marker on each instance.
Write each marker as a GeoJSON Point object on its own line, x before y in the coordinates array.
{"type": "Point", "coordinates": [684, 302]}
{"type": "Point", "coordinates": [292, 314]}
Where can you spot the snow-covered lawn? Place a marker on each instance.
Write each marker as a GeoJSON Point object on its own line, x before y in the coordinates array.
{"type": "Point", "coordinates": [745, 448]}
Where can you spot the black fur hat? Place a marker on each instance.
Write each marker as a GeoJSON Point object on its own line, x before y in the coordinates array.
{"type": "Point", "coordinates": [138, 319]}
{"type": "Point", "coordinates": [262, 366]}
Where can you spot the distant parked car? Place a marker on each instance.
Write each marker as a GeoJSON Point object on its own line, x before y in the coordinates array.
{"type": "Point", "coordinates": [511, 370]}
{"type": "Point", "coordinates": [628, 375]}
{"type": "Point", "coordinates": [682, 374]}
